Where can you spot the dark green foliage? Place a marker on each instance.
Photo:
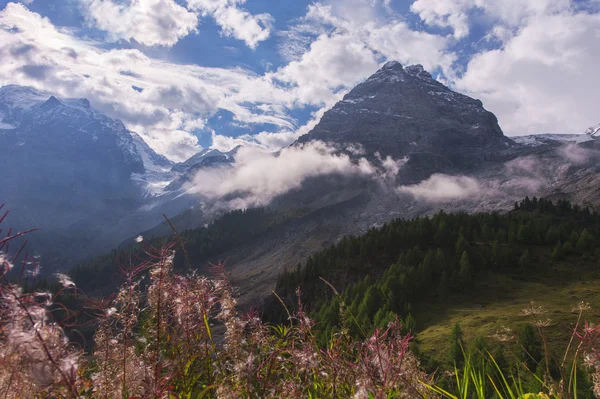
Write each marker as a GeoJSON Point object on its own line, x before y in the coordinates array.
{"type": "Point", "coordinates": [465, 277]}
{"type": "Point", "coordinates": [525, 260]}
{"type": "Point", "coordinates": [101, 274]}
{"type": "Point", "coordinates": [456, 346]}
{"type": "Point", "coordinates": [407, 261]}
{"type": "Point", "coordinates": [530, 347]}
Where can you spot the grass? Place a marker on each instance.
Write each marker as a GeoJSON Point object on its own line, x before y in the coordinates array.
{"type": "Point", "coordinates": [498, 300]}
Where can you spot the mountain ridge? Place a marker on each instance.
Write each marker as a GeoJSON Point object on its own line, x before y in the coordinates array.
{"type": "Point", "coordinates": [399, 111]}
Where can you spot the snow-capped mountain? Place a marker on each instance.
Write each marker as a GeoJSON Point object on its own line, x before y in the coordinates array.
{"type": "Point", "coordinates": [90, 183]}
{"type": "Point", "coordinates": [75, 172]}
{"type": "Point", "coordinates": [207, 158]}
{"type": "Point", "coordinates": [28, 114]}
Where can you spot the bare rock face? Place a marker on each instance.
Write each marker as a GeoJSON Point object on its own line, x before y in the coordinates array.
{"type": "Point", "coordinates": [402, 111]}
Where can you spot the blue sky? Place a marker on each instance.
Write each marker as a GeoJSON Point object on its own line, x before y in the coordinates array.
{"type": "Point", "coordinates": [187, 74]}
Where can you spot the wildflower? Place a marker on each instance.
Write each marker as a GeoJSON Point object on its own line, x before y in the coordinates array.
{"type": "Point", "coordinates": [533, 310]}
{"type": "Point", "coordinates": [581, 307]}
{"type": "Point", "coordinates": [5, 264]}
{"type": "Point", "coordinates": [504, 334]}
{"type": "Point", "coordinates": [65, 280]}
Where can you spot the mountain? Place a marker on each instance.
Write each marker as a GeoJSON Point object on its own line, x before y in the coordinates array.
{"type": "Point", "coordinates": [457, 159]}
{"type": "Point", "coordinates": [402, 111]}
{"type": "Point", "coordinates": [74, 172]}
{"type": "Point", "coordinates": [543, 139]}
{"type": "Point", "coordinates": [91, 183]}
{"type": "Point", "coordinates": [207, 158]}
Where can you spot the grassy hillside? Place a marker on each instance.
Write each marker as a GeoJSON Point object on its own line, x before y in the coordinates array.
{"type": "Point", "coordinates": [498, 300]}
{"type": "Point", "coordinates": [479, 270]}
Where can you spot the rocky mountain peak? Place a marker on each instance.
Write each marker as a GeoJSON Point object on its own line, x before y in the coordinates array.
{"type": "Point", "coordinates": [402, 111]}
{"type": "Point", "coordinates": [85, 103]}
{"type": "Point", "coordinates": [418, 71]}
{"type": "Point", "coordinates": [51, 103]}
{"type": "Point", "coordinates": [392, 65]}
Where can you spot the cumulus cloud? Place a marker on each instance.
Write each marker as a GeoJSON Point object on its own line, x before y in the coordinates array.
{"type": "Point", "coordinates": [456, 14]}
{"type": "Point", "coordinates": [445, 14]}
{"type": "Point", "coordinates": [537, 71]}
{"type": "Point", "coordinates": [165, 22]}
{"type": "Point", "coordinates": [164, 102]}
{"type": "Point", "coordinates": [352, 42]}
{"type": "Point", "coordinates": [270, 141]}
{"type": "Point", "coordinates": [149, 22]}
{"type": "Point", "coordinates": [258, 176]}
{"type": "Point", "coordinates": [543, 79]}
{"type": "Point", "coordinates": [440, 188]}
{"type": "Point", "coordinates": [235, 21]}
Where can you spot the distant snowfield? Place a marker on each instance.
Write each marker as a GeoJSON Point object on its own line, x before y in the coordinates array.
{"type": "Point", "coordinates": [535, 140]}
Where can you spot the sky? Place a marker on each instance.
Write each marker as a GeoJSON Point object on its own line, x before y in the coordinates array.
{"type": "Point", "coordinates": [192, 74]}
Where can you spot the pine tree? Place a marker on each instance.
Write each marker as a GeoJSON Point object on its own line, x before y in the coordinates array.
{"type": "Point", "coordinates": [410, 324]}
{"type": "Point", "coordinates": [525, 260]}
{"type": "Point", "coordinates": [530, 347]}
{"type": "Point", "coordinates": [464, 273]}
{"type": "Point", "coordinates": [461, 245]}
{"type": "Point", "coordinates": [585, 241]}
{"type": "Point", "coordinates": [557, 252]}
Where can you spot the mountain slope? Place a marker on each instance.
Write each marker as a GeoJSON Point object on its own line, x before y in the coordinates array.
{"type": "Point", "coordinates": [458, 160]}
{"type": "Point", "coordinates": [402, 112]}
{"type": "Point", "coordinates": [68, 169]}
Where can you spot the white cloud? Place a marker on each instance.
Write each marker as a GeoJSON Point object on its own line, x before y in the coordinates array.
{"type": "Point", "coordinates": [440, 188]}
{"type": "Point", "coordinates": [174, 99]}
{"type": "Point", "coordinates": [354, 39]}
{"type": "Point", "coordinates": [149, 22]}
{"type": "Point", "coordinates": [456, 14]}
{"type": "Point", "coordinates": [445, 14]}
{"type": "Point", "coordinates": [269, 141]}
{"type": "Point", "coordinates": [575, 154]}
{"type": "Point", "coordinates": [234, 21]}
{"type": "Point", "coordinates": [332, 62]}
{"type": "Point", "coordinates": [544, 79]}
{"type": "Point", "coordinates": [258, 176]}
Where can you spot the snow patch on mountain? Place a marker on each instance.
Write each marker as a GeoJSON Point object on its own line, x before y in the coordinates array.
{"type": "Point", "coordinates": [157, 175]}
{"type": "Point", "coordinates": [21, 97]}
{"type": "Point", "coordinates": [536, 140]}
{"type": "Point", "coordinates": [18, 104]}
{"type": "Point", "coordinates": [593, 131]}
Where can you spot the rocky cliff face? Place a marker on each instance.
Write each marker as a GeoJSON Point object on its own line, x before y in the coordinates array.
{"type": "Point", "coordinates": [402, 111]}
